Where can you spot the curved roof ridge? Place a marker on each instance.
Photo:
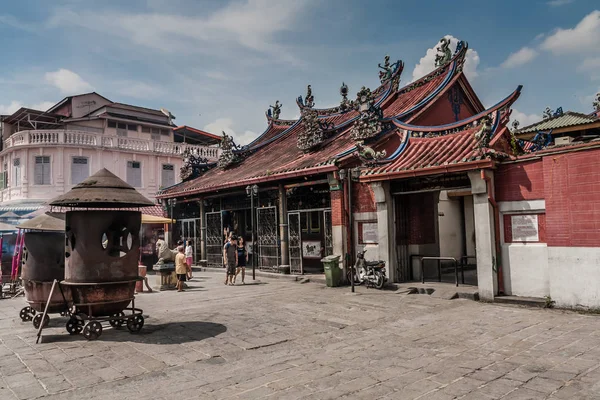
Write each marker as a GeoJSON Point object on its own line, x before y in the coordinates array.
{"type": "Point", "coordinates": [506, 102]}
{"type": "Point", "coordinates": [459, 55]}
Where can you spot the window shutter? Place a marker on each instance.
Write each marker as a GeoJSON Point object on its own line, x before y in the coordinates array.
{"type": "Point", "coordinates": [38, 178]}
{"type": "Point", "coordinates": [17, 172]}
{"type": "Point", "coordinates": [134, 173]}
{"type": "Point", "coordinates": [79, 170]}
{"type": "Point", "coordinates": [2, 181]}
{"type": "Point", "coordinates": [46, 171]}
{"type": "Point", "coordinates": [167, 175]}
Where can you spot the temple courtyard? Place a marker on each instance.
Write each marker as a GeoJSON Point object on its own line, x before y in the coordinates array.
{"type": "Point", "coordinates": [285, 340]}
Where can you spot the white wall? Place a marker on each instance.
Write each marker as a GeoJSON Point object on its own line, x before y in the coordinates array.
{"type": "Point", "coordinates": [575, 276]}
{"type": "Point", "coordinates": [525, 269]}
{"type": "Point", "coordinates": [525, 266]}
{"type": "Point", "coordinates": [450, 226]}
{"type": "Point", "coordinates": [61, 159]}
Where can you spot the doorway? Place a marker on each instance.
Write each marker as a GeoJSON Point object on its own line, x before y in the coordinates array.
{"type": "Point", "coordinates": [190, 230]}
{"type": "Point", "coordinates": [310, 239]}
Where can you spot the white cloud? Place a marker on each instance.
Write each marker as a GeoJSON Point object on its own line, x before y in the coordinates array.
{"type": "Point", "coordinates": [68, 82]}
{"type": "Point", "coordinates": [583, 38]}
{"type": "Point", "coordinates": [13, 22]}
{"type": "Point", "coordinates": [226, 125]}
{"type": "Point", "coordinates": [524, 119]}
{"type": "Point", "coordinates": [43, 106]}
{"type": "Point", "coordinates": [251, 24]}
{"type": "Point", "coordinates": [427, 63]}
{"type": "Point", "coordinates": [138, 90]}
{"type": "Point", "coordinates": [558, 3]}
{"type": "Point", "coordinates": [15, 105]}
{"type": "Point", "coordinates": [11, 108]}
{"type": "Point", "coordinates": [521, 57]}
{"type": "Point", "coordinates": [591, 66]}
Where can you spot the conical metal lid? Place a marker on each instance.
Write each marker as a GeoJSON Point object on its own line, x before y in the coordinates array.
{"type": "Point", "coordinates": [54, 222]}
{"type": "Point", "coordinates": [102, 190]}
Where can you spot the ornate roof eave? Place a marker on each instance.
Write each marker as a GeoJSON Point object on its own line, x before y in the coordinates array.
{"type": "Point", "coordinates": [503, 104]}
{"type": "Point", "coordinates": [279, 122]}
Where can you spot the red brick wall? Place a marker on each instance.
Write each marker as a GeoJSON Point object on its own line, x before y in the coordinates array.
{"type": "Point", "coordinates": [419, 209]}
{"type": "Point", "coordinates": [363, 198]}
{"type": "Point", "coordinates": [337, 208]}
{"type": "Point", "coordinates": [572, 183]}
{"type": "Point", "coordinates": [520, 181]}
{"type": "Point", "coordinates": [508, 228]}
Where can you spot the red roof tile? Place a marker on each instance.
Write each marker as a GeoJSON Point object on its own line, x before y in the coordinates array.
{"type": "Point", "coordinates": [427, 154]}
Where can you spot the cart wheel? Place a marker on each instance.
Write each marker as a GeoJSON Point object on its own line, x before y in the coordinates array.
{"type": "Point", "coordinates": [118, 321]}
{"type": "Point", "coordinates": [92, 330]}
{"type": "Point", "coordinates": [135, 323]}
{"type": "Point", "coordinates": [37, 320]}
{"type": "Point", "coordinates": [26, 314]}
{"type": "Point", "coordinates": [74, 326]}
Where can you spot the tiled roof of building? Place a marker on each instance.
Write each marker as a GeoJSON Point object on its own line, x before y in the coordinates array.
{"type": "Point", "coordinates": [425, 150]}
{"type": "Point", "coordinates": [564, 120]}
{"type": "Point", "coordinates": [275, 154]}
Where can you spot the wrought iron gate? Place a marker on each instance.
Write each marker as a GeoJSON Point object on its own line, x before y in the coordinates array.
{"type": "Point", "coordinates": [267, 237]}
{"type": "Point", "coordinates": [214, 239]}
{"type": "Point", "coordinates": [328, 232]}
{"type": "Point", "coordinates": [295, 242]}
{"type": "Point", "coordinates": [190, 231]}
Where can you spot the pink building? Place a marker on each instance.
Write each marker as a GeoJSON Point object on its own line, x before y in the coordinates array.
{"type": "Point", "coordinates": [46, 153]}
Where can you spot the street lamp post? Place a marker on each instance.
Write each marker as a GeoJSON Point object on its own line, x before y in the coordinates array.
{"type": "Point", "coordinates": [343, 174]}
{"type": "Point", "coordinates": [253, 191]}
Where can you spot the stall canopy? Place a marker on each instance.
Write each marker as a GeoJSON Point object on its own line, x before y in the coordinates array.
{"type": "Point", "coordinates": [7, 227]}
{"type": "Point", "coordinates": [153, 219]}
{"type": "Point", "coordinates": [50, 221]}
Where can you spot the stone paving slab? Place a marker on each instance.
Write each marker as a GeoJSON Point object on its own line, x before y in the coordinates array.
{"type": "Point", "coordinates": [279, 339]}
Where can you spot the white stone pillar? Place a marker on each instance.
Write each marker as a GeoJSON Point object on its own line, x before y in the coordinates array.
{"type": "Point", "coordinates": [487, 279]}
{"type": "Point", "coordinates": [385, 228]}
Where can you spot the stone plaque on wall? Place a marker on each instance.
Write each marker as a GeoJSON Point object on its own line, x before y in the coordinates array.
{"type": "Point", "coordinates": [369, 233]}
{"type": "Point", "coordinates": [525, 228]}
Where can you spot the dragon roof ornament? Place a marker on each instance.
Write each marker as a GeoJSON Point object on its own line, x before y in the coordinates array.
{"type": "Point", "coordinates": [444, 53]}
{"type": "Point", "coordinates": [367, 155]}
{"type": "Point", "coordinates": [276, 110]}
{"type": "Point", "coordinates": [193, 164]}
{"type": "Point", "coordinates": [228, 157]}
{"type": "Point", "coordinates": [313, 133]}
{"type": "Point", "coordinates": [369, 123]}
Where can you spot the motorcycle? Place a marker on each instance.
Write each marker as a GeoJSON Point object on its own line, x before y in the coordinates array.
{"type": "Point", "coordinates": [371, 273]}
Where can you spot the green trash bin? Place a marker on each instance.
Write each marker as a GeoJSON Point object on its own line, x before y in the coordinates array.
{"type": "Point", "coordinates": [333, 273]}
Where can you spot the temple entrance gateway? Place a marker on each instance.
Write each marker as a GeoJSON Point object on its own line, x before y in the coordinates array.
{"type": "Point", "coordinates": [267, 238]}
{"type": "Point", "coordinates": [434, 218]}
{"type": "Point", "coordinates": [310, 239]}
{"type": "Point", "coordinates": [190, 230]}
{"type": "Point", "coordinates": [214, 239]}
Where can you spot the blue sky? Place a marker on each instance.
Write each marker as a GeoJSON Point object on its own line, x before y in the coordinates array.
{"type": "Point", "coordinates": [218, 65]}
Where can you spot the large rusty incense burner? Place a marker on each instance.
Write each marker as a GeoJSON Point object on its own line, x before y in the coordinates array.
{"type": "Point", "coordinates": [43, 261]}
{"type": "Point", "coordinates": [102, 250]}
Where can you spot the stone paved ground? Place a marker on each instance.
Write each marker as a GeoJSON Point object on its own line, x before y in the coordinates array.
{"type": "Point", "coordinates": [286, 340]}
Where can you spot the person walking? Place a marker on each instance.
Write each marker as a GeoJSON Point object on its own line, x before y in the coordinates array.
{"type": "Point", "coordinates": [242, 254]}
{"type": "Point", "coordinates": [230, 259]}
{"type": "Point", "coordinates": [189, 250]}
{"type": "Point", "coordinates": [181, 268]}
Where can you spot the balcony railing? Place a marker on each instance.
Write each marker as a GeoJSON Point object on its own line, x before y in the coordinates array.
{"type": "Point", "coordinates": [86, 139]}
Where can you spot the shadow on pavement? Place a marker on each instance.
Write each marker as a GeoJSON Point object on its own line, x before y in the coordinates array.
{"type": "Point", "coordinates": [167, 333]}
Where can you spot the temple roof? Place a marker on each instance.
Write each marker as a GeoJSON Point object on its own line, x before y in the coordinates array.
{"type": "Point", "coordinates": [426, 150]}
{"type": "Point", "coordinates": [568, 119]}
{"type": "Point", "coordinates": [275, 154]}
